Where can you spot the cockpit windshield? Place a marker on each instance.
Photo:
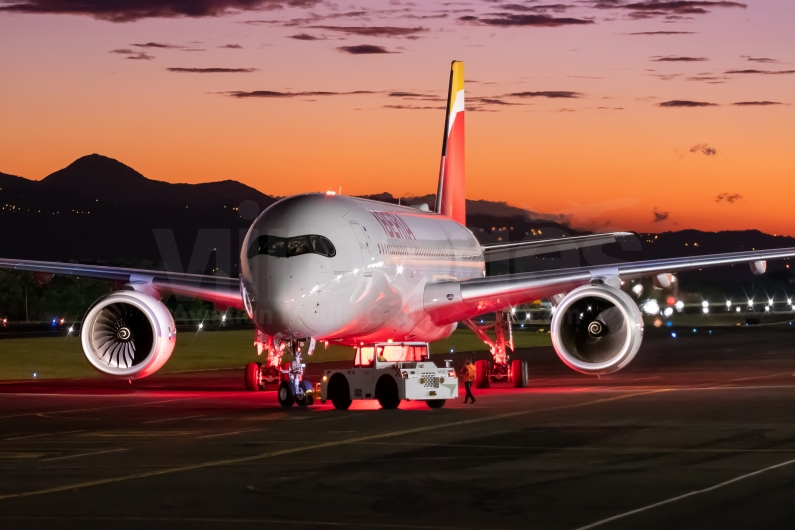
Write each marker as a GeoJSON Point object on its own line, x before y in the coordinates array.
{"type": "Point", "coordinates": [288, 247]}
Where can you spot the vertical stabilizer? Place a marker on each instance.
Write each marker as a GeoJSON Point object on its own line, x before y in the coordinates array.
{"type": "Point", "coordinates": [451, 195]}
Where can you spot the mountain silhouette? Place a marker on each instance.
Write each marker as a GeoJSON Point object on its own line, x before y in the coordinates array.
{"type": "Point", "coordinates": [99, 210]}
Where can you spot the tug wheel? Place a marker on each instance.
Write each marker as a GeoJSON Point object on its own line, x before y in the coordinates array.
{"type": "Point", "coordinates": [386, 392]}
{"type": "Point", "coordinates": [435, 403]}
{"type": "Point", "coordinates": [339, 392]}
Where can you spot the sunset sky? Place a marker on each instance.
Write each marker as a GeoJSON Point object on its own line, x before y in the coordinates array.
{"type": "Point", "coordinates": [648, 116]}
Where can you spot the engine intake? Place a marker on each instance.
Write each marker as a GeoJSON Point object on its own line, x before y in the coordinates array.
{"type": "Point", "coordinates": [597, 329]}
{"type": "Point", "coordinates": [128, 334]}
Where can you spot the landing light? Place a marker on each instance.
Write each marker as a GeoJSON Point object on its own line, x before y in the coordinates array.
{"type": "Point", "coordinates": [738, 309]}
{"type": "Point", "coordinates": [71, 329]}
{"type": "Point", "coordinates": [750, 302]}
{"type": "Point", "coordinates": [201, 325]}
{"type": "Point", "coordinates": [400, 269]}
{"type": "Point", "coordinates": [679, 305]}
{"type": "Point", "coordinates": [668, 311]}
{"type": "Point", "coordinates": [704, 304]}
{"type": "Point", "coordinates": [706, 310]}
{"type": "Point", "coordinates": [728, 304]}
{"type": "Point", "coordinates": [223, 318]}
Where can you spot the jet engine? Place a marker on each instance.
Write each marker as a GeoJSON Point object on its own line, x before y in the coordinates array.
{"type": "Point", "coordinates": [597, 329]}
{"type": "Point", "coordinates": [128, 334]}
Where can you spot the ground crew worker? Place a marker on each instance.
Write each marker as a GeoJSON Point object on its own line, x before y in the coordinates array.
{"type": "Point", "coordinates": [468, 373]}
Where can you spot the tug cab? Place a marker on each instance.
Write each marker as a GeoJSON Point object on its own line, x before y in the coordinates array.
{"type": "Point", "coordinates": [390, 372]}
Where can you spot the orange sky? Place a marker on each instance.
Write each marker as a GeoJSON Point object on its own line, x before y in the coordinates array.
{"type": "Point", "coordinates": [66, 93]}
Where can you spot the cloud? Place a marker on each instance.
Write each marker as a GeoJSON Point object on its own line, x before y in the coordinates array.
{"type": "Point", "coordinates": [232, 46]}
{"type": "Point", "coordinates": [374, 31]}
{"type": "Point", "coordinates": [755, 103]}
{"type": "Point", "coordinates": [364, 49]}
{"type": "Point", "coordinates": [759, 59]}
{"type": "Point", "coordinates": [131, 10]}
{"type": "Point", "coordinates": [132, 54]}
{"type": "Point", "coordinates": [671, 10]}
{"type": "Point", "coordinates": [558, 8]}
{"type": "Point", "coordinates": [704, 148]}
{"type": "Point", "coordinates": [659, 216]}
{"type": "Point", "coordinates": [212, 70]}
{"type": "Point", "coordinates": [707, 77]}
{"type": "Point", "coordinates": [507, 20]}
{"type": "Point", "coordinates": [270, 94]}
{"type": "Point", "coordinates": [305, 36]}
{"type": "Point", "coordinates": [663, 33]}
{"type": "Point", "coordinates": [159, 45]}
{"type": "Point", "coordinates": [679, 59]}
{"type": "Point", "coordinates": [412, 107]}
{"type": "Point", "coordinates": [730, 198]}
{"type": "Point", "coordinates": [761, 72]}
{"type": "Point", "coordinates": [551, 94]}
{"type": "Point", "coordinates": [686, 103]}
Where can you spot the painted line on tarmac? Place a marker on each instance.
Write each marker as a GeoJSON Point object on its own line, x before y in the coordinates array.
{"type": "Point", "coordinates": [176, 419]}
{"type": "Point", "coordinates": [686, 495]}
{"type": "Point", "coordinates": [217, 435]}
{"type": "Point", "coordinates": [323, 445]}
{"type": "Point", "coordinates": [82, 455]}
{"type": "Point", "coordinates": [29, 436]}
{"type": "Point", "coordinates": [591, 449]}
{"type": "Point", "coordinates": [233, 520]}
{"type": "Point", "coordinates": [45, 414]}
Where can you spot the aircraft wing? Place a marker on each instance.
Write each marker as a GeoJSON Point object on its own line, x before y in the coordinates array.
{"type": "Point", "coordinates": [523, 249]}
{"type": "Point", "coordinates": [219, 290]}
{"type": "Point", "coordinates": [451, 301]}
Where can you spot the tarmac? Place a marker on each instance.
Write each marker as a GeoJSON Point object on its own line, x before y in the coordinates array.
{"type": "Point", "coordinates": [698, 432]}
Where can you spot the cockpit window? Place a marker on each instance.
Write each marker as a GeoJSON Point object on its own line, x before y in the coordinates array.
{"type": "Point", "coordinates": [288, 247]}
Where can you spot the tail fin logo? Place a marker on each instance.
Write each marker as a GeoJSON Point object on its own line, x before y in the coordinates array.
{"type": "Point", "coordinates": [451, 194]}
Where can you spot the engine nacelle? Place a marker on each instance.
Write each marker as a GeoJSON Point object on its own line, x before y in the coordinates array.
{"type": "Point", "coordinates": [597, 329]}
{"type": "Point", "coordinates": [128, 334]}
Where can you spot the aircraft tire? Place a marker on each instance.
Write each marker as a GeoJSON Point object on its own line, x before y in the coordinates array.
{"type": "Point", "coordinates": [519, 373]}
{"type": "Point", "coordinates": [482, 374]}
{"type": "Point", "coordinates": [252, 376]}
{"type": "Point", "coordinates": [308, 398]}
{"type": "Point", "coordinates": [286, 394]}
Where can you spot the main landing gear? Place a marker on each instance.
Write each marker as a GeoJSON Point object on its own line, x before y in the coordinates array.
{"type": "Point", "coordinates": [293, 389]}
{"type": "Point", "coordinates": [501, 369]}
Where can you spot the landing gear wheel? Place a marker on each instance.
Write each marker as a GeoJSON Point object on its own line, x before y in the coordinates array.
{"type": "Point", "coordinates": [286, 394]}
{"type": "Point", "coordinates": [435, 403]}
{"type": "Point", "coordinates": [482, 374]}
{"type": "Point", "coordinates": [252, 378]}
{"type": "Point", "coordinates": [386, 391]}
{"type": "Point", "coordinates": [339, 392]}
{"type": "Point", "coordinates": [308, 398]}
{"type": "Point", "coordinates": [519, 373]}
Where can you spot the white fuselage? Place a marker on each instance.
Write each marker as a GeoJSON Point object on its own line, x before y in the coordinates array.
{"type": "Point", "coordinates": [371, 289]}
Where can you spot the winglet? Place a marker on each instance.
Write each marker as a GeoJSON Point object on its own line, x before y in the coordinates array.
{"type": "Point", "coordinates": [451, 194]}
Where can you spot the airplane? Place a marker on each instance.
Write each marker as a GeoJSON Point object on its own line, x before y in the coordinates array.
{"type": "Point", "coordinates": [352, 271]}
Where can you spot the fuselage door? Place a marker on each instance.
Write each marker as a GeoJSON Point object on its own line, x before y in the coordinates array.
{"type": "Point", "coordinates": [365, 247]}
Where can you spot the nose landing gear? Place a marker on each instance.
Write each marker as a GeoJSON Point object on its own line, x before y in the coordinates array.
{"type": "Point", "coordinates": [293, 388]}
